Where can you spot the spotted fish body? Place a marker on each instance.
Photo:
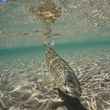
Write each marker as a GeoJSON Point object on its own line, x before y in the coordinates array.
{"type": "Point", "coordinates": [61, 71]}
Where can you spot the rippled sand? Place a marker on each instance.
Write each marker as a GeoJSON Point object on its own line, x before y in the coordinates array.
{"type": "Point", "coordinates": [28, 86]}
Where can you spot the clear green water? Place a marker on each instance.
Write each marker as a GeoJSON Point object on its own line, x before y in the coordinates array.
{"type": "Point", "coordinates": [77, 35]}
{"type": "Point", "coordinates": [82, 39]}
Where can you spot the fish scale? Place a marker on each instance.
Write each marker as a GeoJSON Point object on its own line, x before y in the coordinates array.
{"type": "Point", "coordinates": [61, 71]}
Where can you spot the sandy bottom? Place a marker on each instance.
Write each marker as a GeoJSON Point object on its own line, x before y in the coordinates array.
{"type": "Point", "coordinates": [28, 86]}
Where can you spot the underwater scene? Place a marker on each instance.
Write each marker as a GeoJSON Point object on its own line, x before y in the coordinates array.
{"type": "Point", "coordinates": [54, 55]}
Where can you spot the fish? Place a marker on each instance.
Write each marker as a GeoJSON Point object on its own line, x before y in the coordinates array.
{"type": "Point", "coordinates": [71, 103]}
{"type": "Point", "coordinates": [61, 71]}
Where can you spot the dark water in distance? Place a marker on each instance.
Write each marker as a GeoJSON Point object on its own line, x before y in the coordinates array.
{"type": "Point", "coordinates": [33, 52]}
{"type": "Point", "coordinates": [60, 47]}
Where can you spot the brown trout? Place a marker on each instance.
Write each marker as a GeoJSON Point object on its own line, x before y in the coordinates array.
{"type": "Point", "coordinates": [61, 71]}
